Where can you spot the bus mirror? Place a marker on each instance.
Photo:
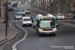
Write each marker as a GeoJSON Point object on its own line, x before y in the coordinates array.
{"type": "Point", "coordinates": [38, 21]}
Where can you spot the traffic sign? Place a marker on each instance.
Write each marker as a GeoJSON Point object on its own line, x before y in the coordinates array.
{"type": "Point", "coordinates": [47, 2]}
{"type": "Point", "coordinates": [71, 3]}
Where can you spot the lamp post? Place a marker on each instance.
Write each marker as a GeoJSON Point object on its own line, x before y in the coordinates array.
{"type": "Point", "coordinates": [7, 25]}
{"type": "Point", "coordinates": [6, 16]}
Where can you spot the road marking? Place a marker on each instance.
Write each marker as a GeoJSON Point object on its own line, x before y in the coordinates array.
{"type": "Point", "coordinates": [14, 46]}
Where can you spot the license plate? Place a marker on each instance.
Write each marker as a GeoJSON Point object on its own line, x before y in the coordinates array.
{"type": "Point", "coordinates": [48, 33]}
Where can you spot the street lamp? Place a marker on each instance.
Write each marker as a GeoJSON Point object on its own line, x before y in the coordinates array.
{"type": "Point", "coordinates": [6, 16]}
{"type": "Point", "coordinates": [7, 25]}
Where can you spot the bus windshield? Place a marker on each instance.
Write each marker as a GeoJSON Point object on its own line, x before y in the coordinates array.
{"type": "Point", "coordinates": [46, 24]}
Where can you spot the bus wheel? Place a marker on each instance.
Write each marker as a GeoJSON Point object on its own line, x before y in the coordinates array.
{"type": "Point", "coordinates": [38, 34]}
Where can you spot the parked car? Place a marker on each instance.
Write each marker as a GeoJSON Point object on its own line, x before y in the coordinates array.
{"type": "Point", "coordinates": [10, 8]}
{"type": "Point", "coordinates": [60, 16]}
{"type": "Point", "coordinates": [13, 3]}
{"type": "Point", "coordinates": [18, 16]}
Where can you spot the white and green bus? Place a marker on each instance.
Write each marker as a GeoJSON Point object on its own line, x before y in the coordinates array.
{"type": "Point", "coordinates": [46, 25]}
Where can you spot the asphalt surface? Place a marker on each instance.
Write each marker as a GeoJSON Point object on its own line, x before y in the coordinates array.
{"type": "Point", "coordinates": [64, 39]}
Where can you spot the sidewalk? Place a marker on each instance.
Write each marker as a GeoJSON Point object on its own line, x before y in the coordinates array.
{"type": "Point", "coordinates": [64, 23]}
{"type": "Point", "coordinates": [12, 33]}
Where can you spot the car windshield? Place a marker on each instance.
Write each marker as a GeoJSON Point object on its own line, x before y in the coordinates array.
{"type": "Point", "coordinates": [27, 19]}
{"type": "Point", "coordinates": [21, 10]}
{"type": "Point", "coordinates": [46, 24]}
{"type": "Point", "coordinates": [18, 14]}
{"type": "Point", "coordinates": [60, 14]}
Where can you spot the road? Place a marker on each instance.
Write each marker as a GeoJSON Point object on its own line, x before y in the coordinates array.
{"type": "Point", "coordinates": [64, 39]}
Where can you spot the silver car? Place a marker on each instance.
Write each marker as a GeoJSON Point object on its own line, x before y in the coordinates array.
{"type": "Point", "coordinates": [60, 16]}
{"type": "Point", "coordinates": [21, 11]}
{"type": "Point", "coordinates": [18, 16]}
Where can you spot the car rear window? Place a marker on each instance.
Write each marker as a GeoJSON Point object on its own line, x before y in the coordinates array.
{"type": "Point", "coordinates": [18, 14]}
{"type": "Point", "coordinates": [27, 19]}
{"type": "Point", "coordinates": [60, 14]}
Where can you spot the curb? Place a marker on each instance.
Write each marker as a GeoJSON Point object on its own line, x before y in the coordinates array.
{"type": "Point", "coordinates": [5, 40]}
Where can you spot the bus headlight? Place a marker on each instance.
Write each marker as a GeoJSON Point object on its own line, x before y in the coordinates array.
{"type": "Point", "coordinates": [39, 29]}
{"type": "Point", "coordinates": [55, 29]}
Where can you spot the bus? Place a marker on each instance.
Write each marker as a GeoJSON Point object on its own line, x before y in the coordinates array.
{"type": "Point", "coordinates": [46, 24]}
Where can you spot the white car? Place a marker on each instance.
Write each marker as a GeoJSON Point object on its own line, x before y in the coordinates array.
{"type": "Point", "coordinates": [27, 11]}
{"type": "Point", "coordinates": [18, 16]}
{"type": "Point", "coordinates": [60, 16]}
{"type": "Point", "coordinates": [26, 21]}
{"type": "Point", "coordinates": [21, 11]}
